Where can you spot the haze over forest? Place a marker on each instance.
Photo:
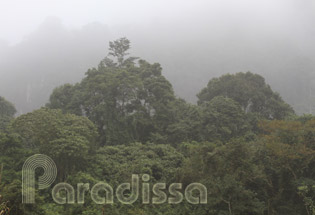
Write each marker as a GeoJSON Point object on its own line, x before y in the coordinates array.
{"type": "Point", "coordinates": [193, 42]}
{"type": "Point", "coordinates": [206, 106]}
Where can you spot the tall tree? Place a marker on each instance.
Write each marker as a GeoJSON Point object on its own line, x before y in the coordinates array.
{"type": "Point", "coordinates": [66, 138]}
{"type": "Point", "coordinates": [127, 102]}
{"type": "Point", "coordinates": [250, 91]}
{"type": "Point", "coordinates": [118, 49]}
{"type": "Point", "coordinates": [288, 157]}
{"type": "Point", "coordinates": [223, 119]}
{"type": "Point", "coordinates": [230, 173]}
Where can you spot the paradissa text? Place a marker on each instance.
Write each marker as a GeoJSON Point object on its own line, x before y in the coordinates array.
{"type": "Point", "coordinates": [126, 193]}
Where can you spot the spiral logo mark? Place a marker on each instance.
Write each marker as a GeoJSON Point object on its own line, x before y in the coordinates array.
{"type": "Point", "coordinates": [28, 176]}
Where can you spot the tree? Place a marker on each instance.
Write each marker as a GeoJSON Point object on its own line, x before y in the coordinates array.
{"type": "Point", "coordinates": [127, 102]}
{"type": "Point", "coordinates": [220, 119]}
{"type": "Point", "coordinates": [223, 119]}
{"type": "Point", "coordinates": [231, 174]}
{"type": "Point", "coordinates": [250, 91]}
{"type": "Point", "coordinates": [118, 49]}
{"type": "Point", "coordinates": [7, 112]}
{"type": "Point", "coordinates": [66, 138]}
{"type": "Point", "coordinates": [66, 96]}
{"type": "Point", "coordinates": [116, 164]}
{"type": "Point", "coordinates": [287, 154]}
{"type": "Point", "coordinates": [187, 125]}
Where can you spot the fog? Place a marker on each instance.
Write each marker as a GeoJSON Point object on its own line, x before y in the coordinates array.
{"type": "Point", "coordinates": [44, 44]}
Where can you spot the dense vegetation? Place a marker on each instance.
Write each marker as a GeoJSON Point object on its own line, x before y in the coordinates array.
{"type": "Point", "coordinates": [241, 140]}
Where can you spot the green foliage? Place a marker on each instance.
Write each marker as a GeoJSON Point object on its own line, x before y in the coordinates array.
{"type": "Point", "coordinates": [127, 103]}
{"type": "Point", "coordinates": [242, 141]}
{"type": "Point", "coordinates": [223, 119]}
{"type": "Point", "coordinates": [307, 193]}
{"type": "Point", "coordinates": [66, 96]}
{"type": "Point", "coordinates": [217, 120]}
{"type": "Point", "coordinates": [230, 173]}
{"type": "Point", "coordinates": [4, 209]}
{"type": "Point", "coordinates": [6, 108]}
{"type": "Point", "coordinates": [187, 125]}
{"type": "Point", "coordinates": [116, 164]}
{"type": "Point", "coordinates": [250, 91]}
{"type": "Point", "coordinates": [12, 193]}
{"type": "Point", "coordinates": [66, 138]}
{"type": "Point", "coordinates": [288, 158]}
{"type": "Point", "coordinates": [118, 49]}
{"type": "Point", "coordinates": [7, 111]}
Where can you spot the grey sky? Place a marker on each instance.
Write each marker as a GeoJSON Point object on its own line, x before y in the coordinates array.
{"type": "Point", "coordinates": [194, 40]}
{"type": "Point", "coordinates": [18, 18]}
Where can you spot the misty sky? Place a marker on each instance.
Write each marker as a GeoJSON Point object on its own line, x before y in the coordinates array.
{"type": "Point", "coordinates": [46, 43]}
{"type": "Point", "coordinates": [18, 18]}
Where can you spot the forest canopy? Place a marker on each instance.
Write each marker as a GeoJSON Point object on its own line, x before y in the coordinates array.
{"type": "Point", "coordinates": [242, 141]}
